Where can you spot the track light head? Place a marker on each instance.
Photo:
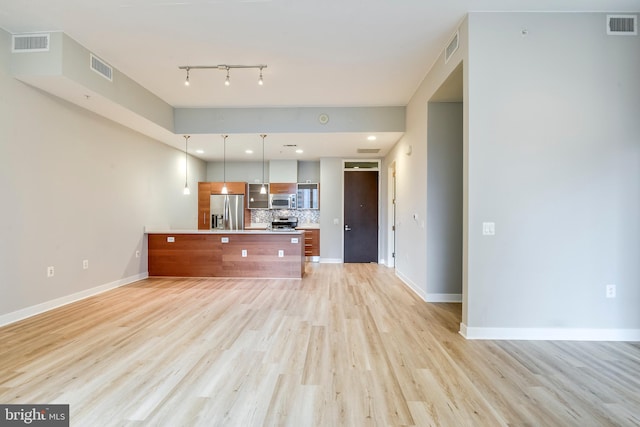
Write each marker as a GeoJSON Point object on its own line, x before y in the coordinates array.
{"type": "Point", "coordinates": [226, 81]}
{"type": "Point", "coordinates": [186, 82]}
{"type": "Point", "coordinates": [260, 81]}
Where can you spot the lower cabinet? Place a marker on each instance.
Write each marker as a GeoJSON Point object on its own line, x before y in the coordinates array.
{"type": "Point", "coordinates": [312, 242]}
{"type": "Point", "coordinates": [227, 255]}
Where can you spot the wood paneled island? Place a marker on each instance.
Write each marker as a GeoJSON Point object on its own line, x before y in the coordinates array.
{"type": "Point", "coordinates": [213, 253]}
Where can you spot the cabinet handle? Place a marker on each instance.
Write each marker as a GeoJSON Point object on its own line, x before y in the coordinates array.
{"type": "Point", "coordinates": [204, 217]}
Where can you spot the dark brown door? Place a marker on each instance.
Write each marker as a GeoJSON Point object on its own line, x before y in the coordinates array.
{"type": "Point", "coordinates": [361, 216]}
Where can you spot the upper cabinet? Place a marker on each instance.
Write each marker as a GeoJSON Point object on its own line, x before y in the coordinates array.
{"type": "Point", "coordinates": [232, 187]}
{"type": "Point", "coordinates": [255, 199]}
{"type": "Point", "coordinates": [308, 196]}
{"type": "Point", "coordinates": [283, 188]}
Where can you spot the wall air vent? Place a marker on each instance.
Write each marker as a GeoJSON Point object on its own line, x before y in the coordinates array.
{"type": "Point", "coordinates": [101, 67]}
{"type": "Point", "coordinates": [368, 150]}
{"type": "Point", "coordinates": [626, 25]}
{"type": "Point", "coordinates": [451, 47]}
{"type": "Point", "coordinates": [30, 43]}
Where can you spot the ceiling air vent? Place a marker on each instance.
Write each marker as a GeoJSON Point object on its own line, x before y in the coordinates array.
{"type": "Point", "coordinates": [451, 47]}
{"type": "Point", "coordinates": [368, 150]}
{"type": "Point", "coordinates": [30, 43]}
{"type": "Point", "coordinates": [622, 25]}
{"type": "Point", "coordinates": [101, 67]}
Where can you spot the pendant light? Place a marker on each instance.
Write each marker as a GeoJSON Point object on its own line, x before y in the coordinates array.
{"type": "Point", "coordinates": [224, 165]}
{"type": "Point", "coordinates": [263, 189]}
{"type": "Point", "coordinates": [186, 190]}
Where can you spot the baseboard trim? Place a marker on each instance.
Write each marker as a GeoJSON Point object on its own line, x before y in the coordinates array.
{"type": "Point", "coordinates": [24, 313]}
{"type": "Point", "coordinates": [412, 286]}
{"type": "Point", "coordinates": [549, 334]}
{"type": "Point", "coordinates": [444, 298]}
{"type": "Point", "coordinates": [330, 260]}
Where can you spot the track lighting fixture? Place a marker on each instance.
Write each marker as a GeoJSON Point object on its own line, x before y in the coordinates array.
{"type": "Point", "coordinates": [222, 67]}
{"type": "Point", "coordinates": [224, 165]}
{"type": "Point", "coordinates": [186, 191]}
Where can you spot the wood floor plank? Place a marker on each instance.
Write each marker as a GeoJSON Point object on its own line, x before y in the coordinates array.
{"type": "Point", "coordinates": [348, 345]}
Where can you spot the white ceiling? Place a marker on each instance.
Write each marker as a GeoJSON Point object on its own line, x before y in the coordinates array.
{"type": "Point", "coordinates": [319, 53]}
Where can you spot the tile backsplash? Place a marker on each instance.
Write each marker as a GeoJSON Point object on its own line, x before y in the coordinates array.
{"type": "Point", "coordinates": [305, 216]}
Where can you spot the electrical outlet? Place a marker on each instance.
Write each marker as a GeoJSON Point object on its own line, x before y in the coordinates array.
{"type": "Point", "coordinates": [611, 291]}
{"type": "Point", "coordinates": [280, 253]}
{"type": "Point", "coordinates": [50, 271]}
{"type": "Point", "coordinates": [294, 240]}
{"type": "Point", "coordinates": [244, 253]}
{"type": "Point", "coordinates": [137, 254]}
{"type": "Point", "coordinates": [488, 228]}
{"type": "Point", "coordinates": [85, 264]}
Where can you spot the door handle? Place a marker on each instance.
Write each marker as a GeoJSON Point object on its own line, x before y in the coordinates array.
{"type": "Point", "coordinates": [347, 228]}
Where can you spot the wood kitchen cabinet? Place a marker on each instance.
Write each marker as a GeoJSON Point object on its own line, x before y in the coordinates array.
{"type": "Point", "coordinates": [232, 187]}
{"type": "Point", "coordinates": [312, 242]}
{"type": "Point", "coordinates": [283, 188]}
{"type": "Point", "coordinates": [204, 206]}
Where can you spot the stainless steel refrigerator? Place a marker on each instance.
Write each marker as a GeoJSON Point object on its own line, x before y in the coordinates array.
{"type": "Point", "coordinates": [227, 212]}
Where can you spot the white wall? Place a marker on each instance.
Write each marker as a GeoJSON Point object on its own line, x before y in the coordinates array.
{"type": "Point", "coordinates": [331, 193]}
{"type": "Point", "coordinates": [554, 161]}
{"type": "Point", "coordinates": [76, 186]}
{"type": "Point", "coordinates": [237, 171]}
{"type": "Point", "coordinates": [410, 156]}
{"type": "Point", "coordinates": [444, 201]}
{"type": "Point", "coordinates": [551, 154]}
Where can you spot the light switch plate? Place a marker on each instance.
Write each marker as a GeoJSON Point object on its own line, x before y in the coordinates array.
{"type": "Point", "coordinates": [224, 240]}
{"type": "Point", "coordinates": [294, 240]}
{"type": "Point", "coordinates": [171, 239]}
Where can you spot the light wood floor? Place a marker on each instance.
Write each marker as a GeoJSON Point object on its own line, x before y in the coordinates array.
{"type": "Point", "coordinates": [347, 345]}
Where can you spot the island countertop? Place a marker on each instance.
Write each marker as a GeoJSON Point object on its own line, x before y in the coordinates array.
{"type": "Point", "coordinates": [249, 231]}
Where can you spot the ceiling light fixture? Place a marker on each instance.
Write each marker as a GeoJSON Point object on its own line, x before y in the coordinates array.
{"type": "Point", "coordinates": [222, 67]}
{"type": "Point", "coordinates": [371, 138]}
{"type": "Point", "coordinates": [224, 164]}
{"type": "Point", "coordinates": [263, 189]}
{"type": "Point", "coordinates": [186, 190]}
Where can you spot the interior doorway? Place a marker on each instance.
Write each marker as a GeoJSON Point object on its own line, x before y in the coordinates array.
{"type": "Point", "coordinates": [360, 215]}
{"type": "Point", "coordinates": [391, 215]}
{"type": "Point", "coordinates": [445, 191]}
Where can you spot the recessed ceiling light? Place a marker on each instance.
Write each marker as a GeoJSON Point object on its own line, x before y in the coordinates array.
{"type": "Point", "coordinates": [371, 138]}
{"type": "Point", "coordinates": [299, 151]}
{"type": "Point", "coordinates": [200, 151]}
{"type": "Point", "coordinates": [248, 151]}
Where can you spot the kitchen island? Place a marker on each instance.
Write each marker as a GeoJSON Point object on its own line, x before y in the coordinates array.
{"type": "Point", "coordinates": [226, 253]}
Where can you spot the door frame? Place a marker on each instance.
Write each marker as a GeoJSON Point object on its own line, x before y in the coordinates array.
{"type": "Point", "coordinates": [345, 168]}
{"type": "Point", "coordinates": [391, 215]}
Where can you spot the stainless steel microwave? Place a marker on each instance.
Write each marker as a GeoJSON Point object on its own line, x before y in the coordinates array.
{"type": "Point", "coordinates": [282, 201]}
